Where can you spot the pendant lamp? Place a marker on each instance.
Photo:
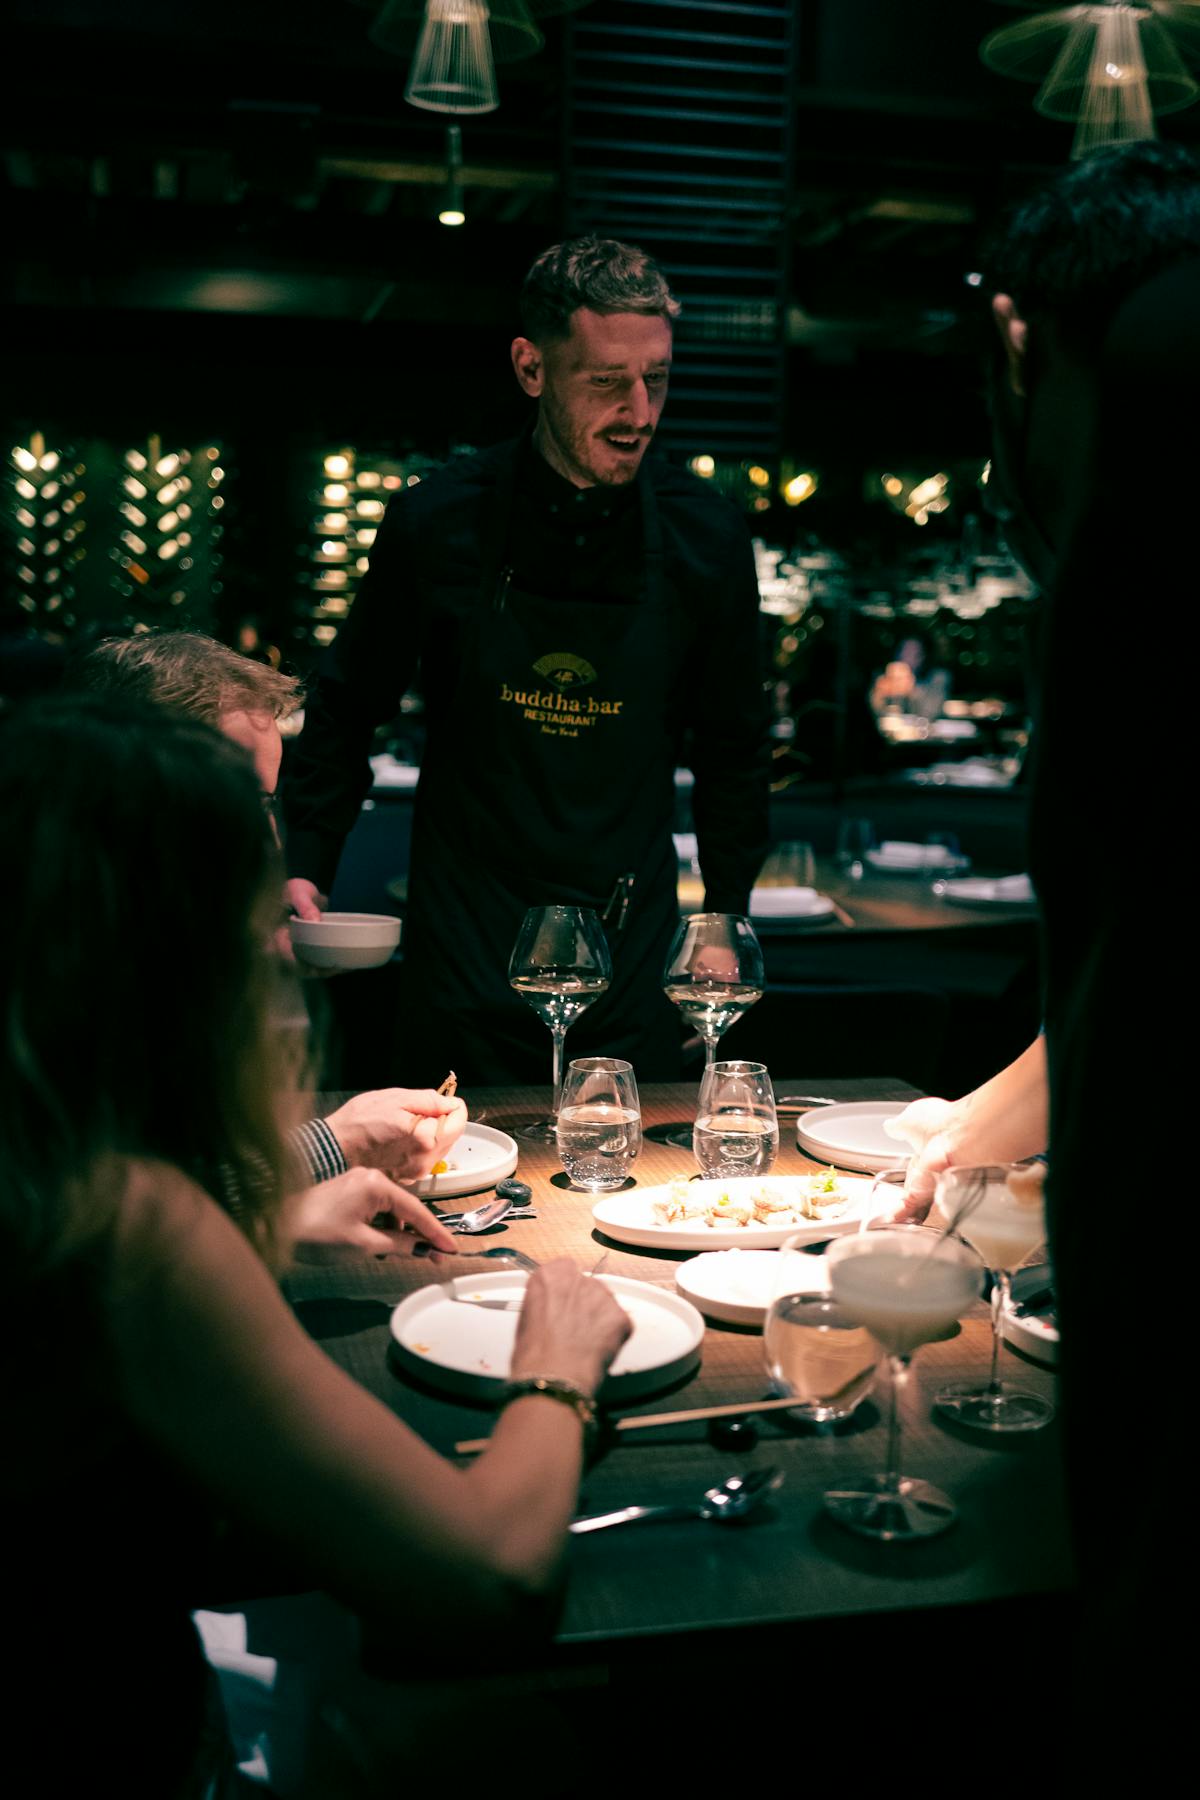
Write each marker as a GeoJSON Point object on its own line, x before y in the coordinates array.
{"type": "Point", "coordinates": [453, 70]}
{"type": "Point", "coordinates": [513, 32]}
{"type": "Point", "coordinates": [1111, 65]}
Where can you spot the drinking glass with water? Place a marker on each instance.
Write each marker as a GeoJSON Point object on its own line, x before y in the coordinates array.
{"type": "Point", "coordinates": [599, 1129]}
{"type": "Point", "coordinates": [736, 1131]}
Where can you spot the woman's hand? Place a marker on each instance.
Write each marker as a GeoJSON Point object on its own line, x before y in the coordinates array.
{"type": "Point", "coordinates": [404, 1131]}
{"type": "Point", "coordinates": [570, 1327]}
{"type": "Point", "coordinates": [345, 1211]}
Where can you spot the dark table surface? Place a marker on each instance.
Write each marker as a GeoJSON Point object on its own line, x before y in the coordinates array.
{"type": "Point", "coordinates": [791, 1563]}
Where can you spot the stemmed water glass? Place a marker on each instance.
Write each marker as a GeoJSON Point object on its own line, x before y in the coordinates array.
{"type": "Point", "coordinates": [713, 974]}
{"type": "Point", "coordinates": [560, 964]}
{"type": "Point", "coordinates": [1003, 1217]}
{"type": "Point", "coordinates": [907, 1285]}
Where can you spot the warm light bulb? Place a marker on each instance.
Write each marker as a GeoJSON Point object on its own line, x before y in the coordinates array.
{"type": "Point", "coordinates": [337, 465]}
{"type": "Point", "coordinates": [759, 476]}
{"type": "Point", "coordinates": [336, 492]}
{"type": "Point", "coordinates": [24, 459]}
{"type": "Point", "coordinates": [451, 216]}
{"type": "Point", "coordinates": [166, 465]}
{"type": "Point", "coordinates": [703, 465]}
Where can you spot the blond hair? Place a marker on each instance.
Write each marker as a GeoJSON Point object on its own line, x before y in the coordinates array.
{"type": "Point", "coordinates": [187, 671]}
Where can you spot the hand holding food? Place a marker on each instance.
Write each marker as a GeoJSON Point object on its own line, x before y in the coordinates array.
{"type": "Point", "coordinates": [405, 1131]}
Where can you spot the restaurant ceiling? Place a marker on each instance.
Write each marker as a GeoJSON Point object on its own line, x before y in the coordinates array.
{"type": "Point", "coordinates": [256, 158]}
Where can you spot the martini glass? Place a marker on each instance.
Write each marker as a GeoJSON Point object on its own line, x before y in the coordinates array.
{"type": "Point", "coordinates": [1004, 1219]}
{"type": "Point", "coordinates": [907, 1285]}
{"type": "Point", "coordinates": [560, 964]}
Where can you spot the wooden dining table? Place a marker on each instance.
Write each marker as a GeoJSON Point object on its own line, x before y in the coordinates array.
{"type": "Point", "coordinates": [791, 1566]}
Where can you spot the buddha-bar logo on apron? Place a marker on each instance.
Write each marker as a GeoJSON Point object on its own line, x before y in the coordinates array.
{"type": "Point", "coordinates": [554, 709]}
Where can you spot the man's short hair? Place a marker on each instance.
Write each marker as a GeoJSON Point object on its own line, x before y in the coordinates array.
{"type": "Point", "coordinates": [1072, 252]}
{"type": "Point", "coordinates": [185, 670]}
{"type": "Point", "coordinates": [599, 273]}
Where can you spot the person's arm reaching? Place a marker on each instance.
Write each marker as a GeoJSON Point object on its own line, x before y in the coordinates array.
{"type": "Point", "coordinates": [361, 682]}
{"type": "Point", "coordinates": [1005, 1120]}
{"type": "Point", "coordinates": [216, 1370]}
{"type": "Point", "coordinates": [731, 745]}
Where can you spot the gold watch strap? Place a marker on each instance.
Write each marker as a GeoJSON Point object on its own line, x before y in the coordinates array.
{"type": "Point", "coordinates": [557, 1389]}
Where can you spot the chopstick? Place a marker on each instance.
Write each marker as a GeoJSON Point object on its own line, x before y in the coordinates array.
{"type": "Point", "coordinates": [472, 1446]}
{"type": "Point", "coordinates": [449, 1088]}
{"type": "Point", "coordinates": [840, 913]}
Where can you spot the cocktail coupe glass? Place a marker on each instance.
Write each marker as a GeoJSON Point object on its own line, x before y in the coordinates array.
{"type": "Point", "coordinates": [713, 974]}
{"type": "Point", "coordinates": [812, 1351]}
{"type": "Point", "coordinates": [907, 1285]}
{"type": "Point", "coordinates": [560, 964]}
{"type": "Point", "coordinates": [1006, 1222]}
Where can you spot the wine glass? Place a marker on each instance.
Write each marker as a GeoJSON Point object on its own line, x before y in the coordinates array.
{"type": "Point", "coordinates": [854, 838]}
{"type": "Point", "coordinates": [599, 1122]}
{"type": "Point", "coordinates": [560, 964]}
{"type": "Point", "coordinates": [906, 1284]}
{"type": "Point", "coordinates": [737, 1129]}
{"type": "Point", "coordinates": [1003, 1217]}
{"type": "Point", "coordinates": [813, 1350]}
{"type": "Point", "coordinates": [713, 974]}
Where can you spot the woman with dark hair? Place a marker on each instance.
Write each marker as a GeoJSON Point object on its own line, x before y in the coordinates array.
{"type": "Point", "coordinates": [153, 1373]}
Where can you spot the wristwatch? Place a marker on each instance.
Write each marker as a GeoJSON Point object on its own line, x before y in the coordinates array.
{"type": "Point", "coordinates": [557, 1389]}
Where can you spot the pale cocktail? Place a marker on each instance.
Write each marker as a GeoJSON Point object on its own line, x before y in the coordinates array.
{"type": "Point", "coordinates": [999, 1210]}
{"type": "Point", "coordinates": [906, 1285]}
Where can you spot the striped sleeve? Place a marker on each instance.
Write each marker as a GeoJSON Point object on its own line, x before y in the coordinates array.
{"type": "Point", "coordinates": [319, 1151]}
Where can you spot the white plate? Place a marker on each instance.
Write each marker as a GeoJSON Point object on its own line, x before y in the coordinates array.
{"type": "Point", "coordinates": [1009, 890]}
{"type": "Point", "coordinates": [786, 911]}
{"type": "Point", "coordinates": [478, 1159]}
{"type": "Point", "coordinates": [851, 1135]}
{"type": "Point", "coordinates": [896, 858]}
{"type": "Point", "coordinates": [467, 1349]}
{"type": "Point", "coordinates": [738, 1286]}
{"type": "Point", "coordinates": [1037, 1336]}
{"type": "Point", "coordinates": [629, 1218]}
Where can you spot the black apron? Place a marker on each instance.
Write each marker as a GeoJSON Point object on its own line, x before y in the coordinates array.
{"type": "Point", "coordinates": [548, 778]}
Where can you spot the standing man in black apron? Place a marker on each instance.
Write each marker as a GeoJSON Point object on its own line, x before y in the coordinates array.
{"type": "Point", "coordinates": [575, 608]}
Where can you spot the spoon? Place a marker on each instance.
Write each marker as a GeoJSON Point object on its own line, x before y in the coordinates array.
{"type": "Point", "coordinates": [482, 1218]}
{"type": "Point", "coordinates": [723, 1505]}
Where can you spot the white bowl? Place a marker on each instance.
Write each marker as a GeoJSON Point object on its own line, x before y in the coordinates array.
{"type": "Point", "coordinates": [345, 940]}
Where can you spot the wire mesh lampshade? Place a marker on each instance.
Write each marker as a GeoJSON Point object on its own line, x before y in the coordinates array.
{"type": "Point", "coordinates": [1109, 64]}
{"type": "Point", "coordinates": [453, 70]}
{"type": "Point", "coordinates": [399, 23]}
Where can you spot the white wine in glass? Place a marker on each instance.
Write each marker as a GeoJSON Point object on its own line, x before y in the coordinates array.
{"type": "Point", "coordinates": [713, 974]}
{"type": "Point", "coordinates": [559, 965]}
